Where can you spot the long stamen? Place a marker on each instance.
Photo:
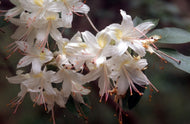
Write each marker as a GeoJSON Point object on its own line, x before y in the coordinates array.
{"type": "Point", "coordinates": [16, 102]}
{"type": "Point", "coordinates": [176, 60]}
{"type": "Point", "coordinates": [91, 23]}
{"type": "Point", "coordinates": [53, 116]}
{"type": "Point", "coordinates": [131, 83]}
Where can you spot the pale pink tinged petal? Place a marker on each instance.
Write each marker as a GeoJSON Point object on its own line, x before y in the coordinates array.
{"type": "Point", "coordinates": [127, 22]}
{"type": "Point", "coordinates": [90, 39]}
{"type": "Point", "coordinates": [81, 8]}
{"type": "Point", "coordinates": [122, 84]}
{"type": "Point", "coordinates": [24, 61]}
{"type": "Point", "coordinates": [36, 66]}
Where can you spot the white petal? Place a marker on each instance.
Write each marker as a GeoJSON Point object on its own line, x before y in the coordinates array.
{"type": "Point", "coordinates": [122, 84]}
{"type": "Point", "coordinates": [41, 33]}
{"type": "Point", "coordinates": [49, 89]}
{"type": "Point", "coordinates": [14, 12]}
{"type": "Point", "coordinates": [66, 87]}
{"type": "Point", "coordinates": [92, 75]}
{"type": "Point", "coordinates": [138, 48]}
{"type": "Point", "coordinates": [144, 27]}
{"type": "Point", "coordinates": [76, 38]}
{"type": "Point", "coordinates": [24, 61]}
{"type": "Point", "coordinates": [36, 66]}
{"type": "Point", "coordinates": [23, 91]}
{"type": "Point", "coordinates": [127, 22]}
{"type": "Point", "coordinates": [16, 79]}
{"type": "Point", "coordinates": [90, 39]}
{"type": "Point", "coordinates": [138, 77]}
{"type": "Point", "coordinates": [67, 17]}
{"type": "Point", "coordinates": [81, 7]}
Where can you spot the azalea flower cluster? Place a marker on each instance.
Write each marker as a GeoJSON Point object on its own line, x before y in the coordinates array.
{"type": "Point", "coordinates": [114, 56]}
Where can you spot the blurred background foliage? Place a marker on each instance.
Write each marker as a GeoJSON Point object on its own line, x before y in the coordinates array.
{"type": "Point", "coordinates": [170, 106]}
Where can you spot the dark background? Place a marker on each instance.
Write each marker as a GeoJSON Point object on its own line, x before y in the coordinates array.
{"type": "Point", "coordinates": [170, 106]}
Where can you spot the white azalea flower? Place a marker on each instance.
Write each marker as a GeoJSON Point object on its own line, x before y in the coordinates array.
{"type": "Point", "coordinates": [39, 83]}
{"type": "Point", "coordinates": [38, 8]}
{"type": "Point", "coordinates": [127, 71]}
{"type": "Point", "coordinates": [71, 52]}
{"type": "Point", "coordinates": [34, 55]}
{"type": "Point", "coordinates": [68, 7]}
{"type": "Point", "coordinates": [72, 83]}
{"type": "Point", "coordinates": [103, 82]}
{"type": "Point", "coordinates": [98, 47]}
{"type": "Point", "coordinates": [126, 35]}
{"type": "Point", "coordinates": [50, 99]}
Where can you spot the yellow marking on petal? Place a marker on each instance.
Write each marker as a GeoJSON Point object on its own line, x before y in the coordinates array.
{"type": "Point", "coordinates": [136, 58]}
{"type": "Point", "coordinates": [51, 17]}
{"type": "Point", "coordinates": [125, 62]}
{"type": "Point", "coordinates": [39, 75]}
{"type": "Point", "coordinates": [42, 55]}
{"type": "Point", "coordinates": [64, 50]}
{"type": "Point", "coordinates": [83, 45]}
{"type": "Point", "coordinates": [102, 41]}
{"type": "Point", "coordinates": [118, 33]}
{"type": "Point", "coordinates": [39, 2]}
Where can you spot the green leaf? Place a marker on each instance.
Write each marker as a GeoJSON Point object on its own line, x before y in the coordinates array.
{"type": "Point", "coordinates": [137, 21]}
{"type": "Point", "coordinates": [184, 65]}
{"type": "Point", "coordinates": [172, 35]}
